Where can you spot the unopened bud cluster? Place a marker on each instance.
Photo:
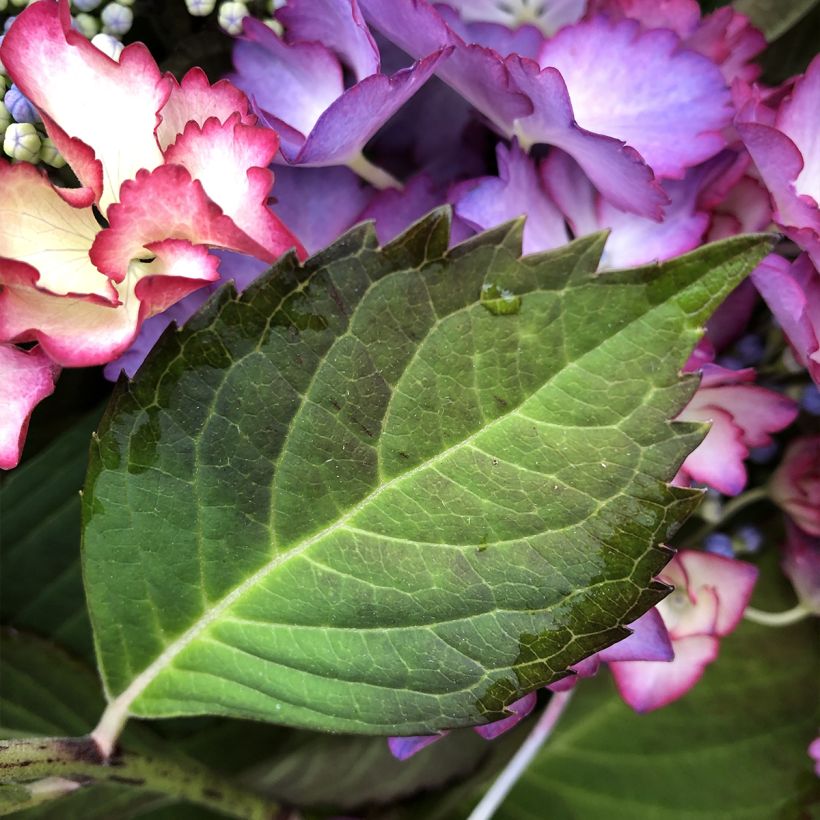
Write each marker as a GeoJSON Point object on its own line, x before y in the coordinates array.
{"type": "Point", "coordinates": [231, 15]}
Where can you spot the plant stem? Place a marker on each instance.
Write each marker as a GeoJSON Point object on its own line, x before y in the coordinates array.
{"type": "Point", "coordinates": [523, 757]}
{"type": "Point", "coordinates": [731, 509]}
{"type": "Point", "coordinates": [377, 177]}
{"type": "Point", "coordinates": [790, 616]}
{"type": "Point", "coordinates": [80, 759]}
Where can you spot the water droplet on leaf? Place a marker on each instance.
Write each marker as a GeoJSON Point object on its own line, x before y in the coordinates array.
{"type": "Point", "coordinates": [499, 301]}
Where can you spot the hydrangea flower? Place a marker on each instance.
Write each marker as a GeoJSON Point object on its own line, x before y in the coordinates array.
{"type": "Point", "coordinates": [297, 83]}
{"type": "Point", "coordinates": [166, 170]}
{"type": "Point", "coordinates": [801, 565]}
{"type": "Point", "coordinates": [783, 145]}
{"type": "Point", "coordinates": [742, 416]}
{"type": "Point", "coordinates": [795, 485]}
{"type": "Point", "coordinates": [710, 596]}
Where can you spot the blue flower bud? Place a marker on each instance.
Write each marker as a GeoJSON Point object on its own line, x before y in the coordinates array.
{"type": "Point", "coordinates": [750, 538]}
{"type": "Point", "coordinates": [86, 5]}
{"type": "Point", "coordinates": [22, 142]}
{"type": "Point", "coordinates": [117, 19]}
{"type": "Point", "coordinates": [763, 455]}
{"type": "Point", "coordinates": [5, 119]}
{"type": "Point", "coordinates": [19, 106]}
{"type": "Point", "coordinates": [750, 349]}
{"type": "Point", "coordinates": [7, 24]}
{"type": "Point", "coordinates": [719, 543]}
{"type": "Point", "coordinates": [810, 400]}
{"type": "Point", "coordinates": [109, 45]}
{"type": "Point", "coordinates": [200, 8]}
{"type": "Point", "coordinates": [231, 16]}
{"type": "Point", "coordinates": [86, 24]}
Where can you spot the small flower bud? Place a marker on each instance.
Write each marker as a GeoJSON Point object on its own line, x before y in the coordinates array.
{"type": "Point", "coordinates": [719, 543]}
{"type": "Point", "coordinates": [200, 8]}
{"type": "Point", "coordinates": [4, 4]}
{"type": "Point", "coordinates": [22, 142]}
{"type": "Point", "coordinates": [275, 26]}
{"type": "Point", "coordinates": [748, 538]}
{"type": "Point", "coordinates": [86, 24]}
{"type": "Point", "coordinates": [109, 45]}
{"type": "Point", "coordinates": [5, 118]}
{"type": "Point", "coordinates": [117, 19]}
{"type": "Point", "coordinates": [50, 155]}
{"type": "Point", "coordinates": [19, 3]}
{"type": "Point", "coordinates": [9, 21]}
{"type": "Point", "coordinates": [231, 16]}
{"type": "Point", "coordinates": [86, 5]}
{"type": "Point", "coordinates": [275, 4]}
{"type": "Point", "coordinates": [19, 106]}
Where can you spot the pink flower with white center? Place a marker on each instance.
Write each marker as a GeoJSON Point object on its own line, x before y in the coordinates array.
{"type": "Point", "coordinates": [167, 171]}
{"type": "Point", "coordinates": [742, 416]}
{"type": "Point", "coordinates": [792, 292]}
{"type": "Point", "coordinates": [795, 485]}
{"type": "Point", "coordinates": [710, 596]}
{"type": "Point", "coordinates": [785, 148]}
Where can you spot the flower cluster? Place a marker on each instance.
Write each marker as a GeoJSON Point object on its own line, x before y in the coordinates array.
{"type": "Point", "coordinates": [639, 117]}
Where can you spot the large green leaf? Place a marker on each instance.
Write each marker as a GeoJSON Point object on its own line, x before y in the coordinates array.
{"type": "Point", "coordinates": [734, 747]}
{"type": "Point", "coordinates": [393, 489]}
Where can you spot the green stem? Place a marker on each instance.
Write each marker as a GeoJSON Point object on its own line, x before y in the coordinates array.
{"type": "Point", "coordinates": [377, 177]}
{"type": "Point", "coordinates": [730, 509]}
{"type": "Point", "coordinates": [80, 759]}
{"type": "Point", "coordinates": [787, 618]}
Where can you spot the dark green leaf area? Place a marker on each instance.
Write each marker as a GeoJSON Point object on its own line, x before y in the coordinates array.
{"type": "Point", "coordinates": [40, 575]}
{"type": "Point", "coordinates": [734, 747]}
{"type": "Point", "coordinates": [355, 499]}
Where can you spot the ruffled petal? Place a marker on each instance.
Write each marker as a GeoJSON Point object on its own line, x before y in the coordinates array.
{"type": "Point", "coordinates": [26, 378]}
{"type": "Point", "coordinates": [165, 203]}
{"type": "Point", "coordinates": [39, 229]}
{"type": "Point", "coordinates": [196, 100]}
{"type": "Point", "coordinates": [667, 103]}
{"type": "Point", "coordinates": [516, 191]}
{"type": "Point", "coordinates": [617, 170]}
{"type": "Point", "coordinates": [731, 42]}
{"type": "Point", "coordinates": [649, 641]}
{"type": "Point", "coordinates": [649, 685]}
{"type": "Point", "coordinates": [67, 78]}
{"type": "Point", "coordinates": [337, 25]}
{"type": "Point", "coordinates": [230, 161]}
{"type": "Point", "coordinates": [681, 16]}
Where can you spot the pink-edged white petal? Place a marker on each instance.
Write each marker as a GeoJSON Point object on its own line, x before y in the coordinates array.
{"type": "Point", "coordinates": [196, 100]}
{"type": "Point", "coordinates": [67, 78]}
{"type": "Point", "coordinates": [26, 378]}
{"type": "Point", "coordinates": [649, 641]}
{"type": "Point", "coordinates": [616, 169]}
{"type": "Point", "coordinates": [516, 191]}
{"type": "Point", "coordinates": [165, 203]}
{"type": "Point", "coordinates": [404, 747]}
{"type": "Point", "coordinates": [649, 685]}
{"type": "Point", "coordinates": [643, 88]}
{"type": "Point", "coordinates": [339, 26]}
{"type": "Point", "coordinates": [519, 709]}
{"type": "Point", "coordinates": [230, 160]}
{"type": "Point", "coordinates": [40, 229]}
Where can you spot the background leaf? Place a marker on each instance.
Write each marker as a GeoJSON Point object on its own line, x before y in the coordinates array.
{"type": "Point", "coordinates": [733, 747]}
{"type": "Point", "coordinates": [357, 498]}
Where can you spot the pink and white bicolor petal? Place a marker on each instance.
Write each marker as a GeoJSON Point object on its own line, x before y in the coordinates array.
{"type": "Point", "coordinates": [166, 203]}
{"type": "Point", "coordinates": [516, 191]}
{"type": "Point", "coordinates": [66, 78]}
{"type": "Point", "coordinates": [196, 100]}
{"type": "Point", "coordinates": [230, 160]}
{"type": "Point", "coordinates": [649, 685]}
{"type": "Point", "coordinates": [26, 378]}
{"type": "Point", "coordinates": [643, 88]}
{"type": "Point", "coordinates": [40, 229]}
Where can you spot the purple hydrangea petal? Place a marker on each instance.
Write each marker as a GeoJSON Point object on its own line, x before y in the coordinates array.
{"type": "Point", "coordinates": [404, 747]}
{"type": "Point", "coordinates": [520, 709]}
{"type": "Point", "coordinates": [649, 641]}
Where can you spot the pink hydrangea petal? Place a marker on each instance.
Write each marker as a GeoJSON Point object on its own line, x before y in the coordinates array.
{"type": "Point", "coordinates": [572, 190]}
{"type": "Point", "coordinates": [516, 191]}
{"type": "Point", "coordinates": [341, 132]}
{"type": "Point", "coordinates": [795, 484]}
{"type": "Point", "coordinates": [26, 378]}
{"type": "Point", "coordinates": [732, 580]}
{"type": "Point", "coordinates": [196, 100]}
{"type": "Point", "coordinates": [649, 641]}
{"type": "Point", "coordinates": [66, 77]}
{"type": "Point", "coordinates": [40, 229]}
{"type": "Point", "coordinates": [165, 203]}
{"type": "Point", "coordinates": [520, 709]}
{"type": "Point", "coordinates": [617, 170]}
{"type": "Point", "coordinates": [295, 82]}
{"type": "Point", "coordinates": [690, 610]}
{"type": "Point", "coordinates": [230, 160]}
{"type": "Point", "coordinates": [525, 40]}
{"type": "Point", "coordinates": [667, 103]}
{"type": "Point", "coordinates": [405, 747]}
{"type": "Point", "coordinates": [649, 685]}
{"type": "Point", "coordinates": [801, 564]}
{"type": "Point", "coordinates": [339, 26]}
{"type": "Point", "coordinates": [728, 322]}
{"type": "Point", "coordinates": [681, 16]}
